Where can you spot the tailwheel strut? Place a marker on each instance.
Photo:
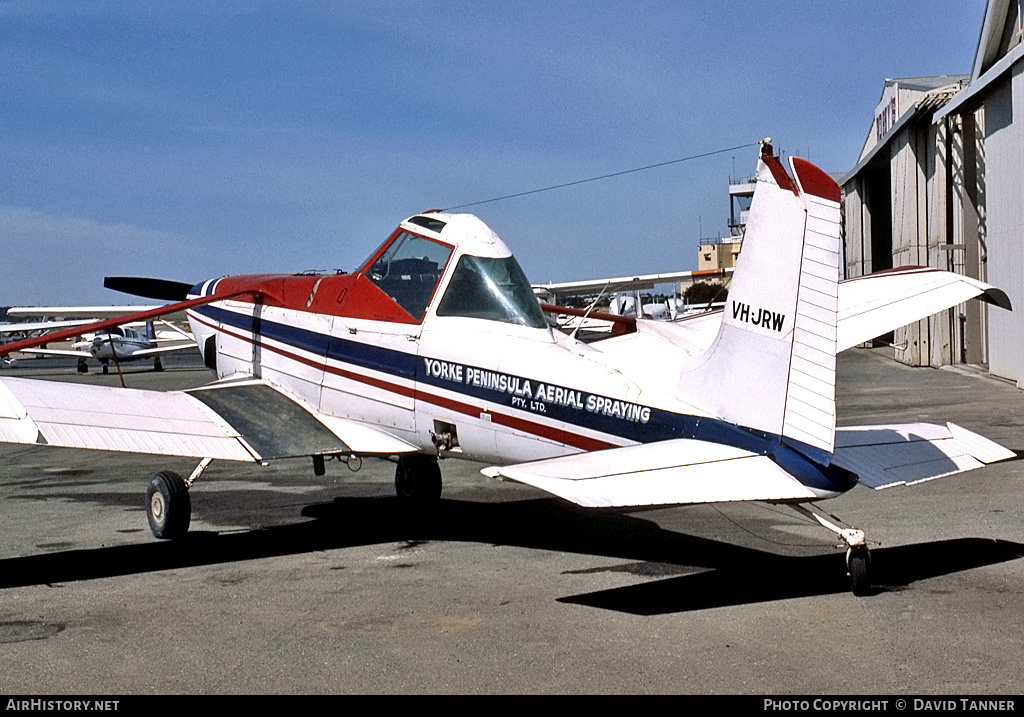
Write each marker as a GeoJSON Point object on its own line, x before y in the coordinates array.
{"type": "Point", "coordinates": [858, 557]}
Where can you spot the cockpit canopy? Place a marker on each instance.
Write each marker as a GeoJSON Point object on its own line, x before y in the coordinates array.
{"type": "Point", "coordinates": [486, 282]}
{"type": "Point", "coordinates": [409, 270]}
{"type": "Point", "coordinates": [491, 288]}
{"type": "Point", "coordinates": [118, 331]}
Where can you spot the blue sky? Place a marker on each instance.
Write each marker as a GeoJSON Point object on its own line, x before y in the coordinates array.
{"type": "Point", "coordinates": [187, 140]}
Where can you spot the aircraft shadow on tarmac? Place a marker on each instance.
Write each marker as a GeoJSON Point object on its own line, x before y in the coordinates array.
{"type": "Point", "coordinates": [703, 573]}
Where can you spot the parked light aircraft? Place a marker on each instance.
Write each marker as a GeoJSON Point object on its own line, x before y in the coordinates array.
{"type": "Point", "coordinates": [625, 292]}
{"type": "Point", "coordinates": [12, 331]}
{"type": "Point", "coordinates": [437, 347]}
{"type": "Point", "coordinates": [119, 344]}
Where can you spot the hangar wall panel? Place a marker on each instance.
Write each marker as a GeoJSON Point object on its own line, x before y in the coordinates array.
{"type": "Point", "coordinates": [1004, 145]}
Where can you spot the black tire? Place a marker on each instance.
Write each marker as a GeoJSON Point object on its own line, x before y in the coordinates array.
{"type": "Point", "coordinates": [418, 479]}
{"type": "Point", "coordinates": [858, 566]}
{"type": "Point", "coordinates": [168, 506]}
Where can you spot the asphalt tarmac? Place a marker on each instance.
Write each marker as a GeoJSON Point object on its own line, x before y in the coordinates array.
{"type": "Point", "coordinates": [293, 584]}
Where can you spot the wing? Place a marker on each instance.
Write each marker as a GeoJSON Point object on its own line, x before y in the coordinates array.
{"type": "Point", "coordinates": [885, 456]}
{"type": "Point", "coordinates": [164, 349]}
{"type": "Point", "coordinates": [630, 283]}
{"type": "Point", "coordinates": [242, 421]}
{"type": "Point", "coordinates": [872, 305]}
{"type": "Point", "coordinates": [57, 352]}
{"type": "Point", "coordinates": [667, 472]}
{"type": "Point", "coordinates": [88, 312]}
{"type": "Point", "coordinates": [41, 326]}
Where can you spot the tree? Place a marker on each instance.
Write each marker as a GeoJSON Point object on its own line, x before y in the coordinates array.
{"type": "Point", "coordinates": [704, 292]}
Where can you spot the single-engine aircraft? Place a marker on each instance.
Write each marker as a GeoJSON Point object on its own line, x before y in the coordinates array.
{"type": "Point", "coordinates": [12, 331]}
{"type": "Point", "coordinates": [119, 344]}
{"type": "Point", "coordinates": [436, 347]}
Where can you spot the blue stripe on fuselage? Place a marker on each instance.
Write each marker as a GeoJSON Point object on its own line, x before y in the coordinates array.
{"type": "Point", "coordinates": [396, 363]}
{"type": "Point", "coordinates": [613, 417]}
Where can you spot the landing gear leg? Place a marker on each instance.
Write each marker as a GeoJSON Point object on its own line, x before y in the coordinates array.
{"type": "Point", "coordinates": [858, 557]}
{"type": "Point", "coordinates": [157, 364]}
{"type": "Point", "coordinates": [106, 367]}
{"type": "Point", "coordinates": [418, 478]}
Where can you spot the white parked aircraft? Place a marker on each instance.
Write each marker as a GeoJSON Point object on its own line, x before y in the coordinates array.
{"type": "Point", "coordinates": [120, 344]}
{"type": "Point", "coordinates": [625, 292]}
{"type": "Point", "coordinates": [437, 347]}
{"type": "Point", "coordinates": [12, 331]}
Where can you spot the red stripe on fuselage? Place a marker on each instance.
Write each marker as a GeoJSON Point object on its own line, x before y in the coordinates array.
{"type": "Point", "coordinates": [507, 420]}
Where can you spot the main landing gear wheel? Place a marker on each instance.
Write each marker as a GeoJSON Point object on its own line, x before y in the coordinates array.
{"type": "Point", "coordinates": [418, 478]}
{"type": "Point", "coordinates": [168, 505]}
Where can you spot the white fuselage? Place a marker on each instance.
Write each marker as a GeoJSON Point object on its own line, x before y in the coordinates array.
{"type": "Point", "coordinates": [513, 393]}
{"type": "Point", "coordinates": [116, 346]}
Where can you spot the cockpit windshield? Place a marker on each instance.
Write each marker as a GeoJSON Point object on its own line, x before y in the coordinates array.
{"type": "Point", "coordinates": [494, 289]}
{"type": "Point", "coordinates": [408, 271]}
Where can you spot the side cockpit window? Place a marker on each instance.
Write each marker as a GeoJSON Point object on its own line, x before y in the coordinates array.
{"type": "Point", "coordinates": [408, 271]}
{"type": "Point", "coordinates": [494, 289]}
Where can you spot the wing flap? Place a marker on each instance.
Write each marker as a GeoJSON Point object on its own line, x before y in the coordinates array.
{"type": "Point", "coordinates": [277, 426]}
{"type": "Point", "coordinates": [671, 472]}
{"type": "Point", "coordinates": [905, 454]}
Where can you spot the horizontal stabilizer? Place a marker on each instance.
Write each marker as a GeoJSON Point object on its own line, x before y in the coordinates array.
{"type": "Point", "coordinates": [876, 304]}
{"type": "Point", "coordinates": [885, 456]}
{"type": "Point", "coordinates": [670, 472]}
{"type": "Point", "coordinates": [227, 422]}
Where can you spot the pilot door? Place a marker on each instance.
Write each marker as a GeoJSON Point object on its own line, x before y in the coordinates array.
{"type": "Point", "coordinates": [370, 372]}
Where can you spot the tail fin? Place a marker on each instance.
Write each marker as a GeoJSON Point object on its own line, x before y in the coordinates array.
{"type": "Point", "coordinates": [772, 366]}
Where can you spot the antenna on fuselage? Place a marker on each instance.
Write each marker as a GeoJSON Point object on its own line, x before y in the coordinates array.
{"type": "Point", "coordinates": [587, 312]}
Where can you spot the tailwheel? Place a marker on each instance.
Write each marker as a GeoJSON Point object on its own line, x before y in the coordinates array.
{"type": "Point", "coordinates": [858, 559]}
{"type": "Point", "coordinates": [418, 478]}
{"type": "Point", "coordinates": [858, 566]}
{"type": "Point", "coordinates": [168, 505]}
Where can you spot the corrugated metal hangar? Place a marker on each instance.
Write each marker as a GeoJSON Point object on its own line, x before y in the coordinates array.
{"type": "Point", "coordinates": [940, 182]}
